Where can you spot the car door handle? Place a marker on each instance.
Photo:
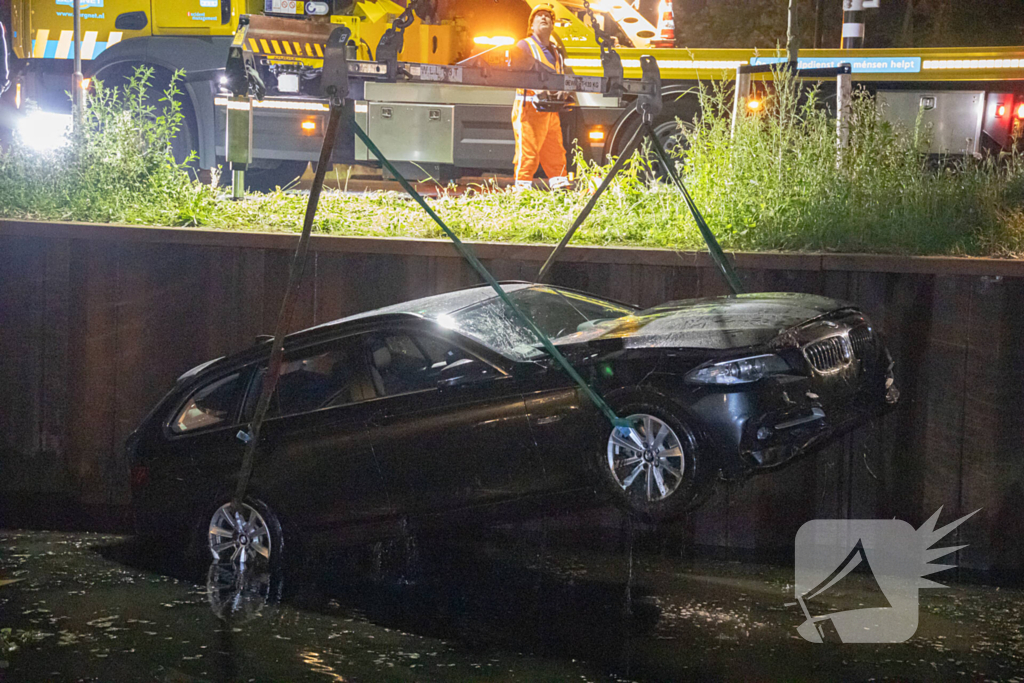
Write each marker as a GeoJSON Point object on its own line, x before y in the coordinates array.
{"type": "Point", "coordinates": [378, 418]}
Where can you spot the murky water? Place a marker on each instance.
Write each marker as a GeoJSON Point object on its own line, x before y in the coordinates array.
{"type": "Point", "coordinates": [520, 606]}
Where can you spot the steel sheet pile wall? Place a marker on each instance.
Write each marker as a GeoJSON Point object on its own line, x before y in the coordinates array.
{"type": "Point", "coordinates": [96, 322]}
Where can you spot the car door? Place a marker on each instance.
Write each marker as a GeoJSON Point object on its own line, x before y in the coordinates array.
{"type": "Point", "coordinates": [450, 426]}
{"type": "Point", "coordinates": [566, 426]}
{"type": "Point", "coordinates": [315, 464]}
{"type": "Point", "coordinates": [198, 458]}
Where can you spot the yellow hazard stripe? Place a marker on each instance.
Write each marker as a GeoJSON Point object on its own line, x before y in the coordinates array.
{"type": "Point", "coordinates": [41, 39]}
{"type": "Point", "coordinates": [63, 48]}
{"type": "Point", "coordinates": [284, 48]}
{"type": "Point", "coordinates": [89, 44]}
{"type": "Point", "coordinates": [64, 44]}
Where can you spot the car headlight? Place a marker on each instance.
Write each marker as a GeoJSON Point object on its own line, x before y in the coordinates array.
{"type": "Point", "coordinates": [739, 371]}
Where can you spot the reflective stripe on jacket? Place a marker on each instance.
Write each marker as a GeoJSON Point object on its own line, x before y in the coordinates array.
{"type": "Point", "coordinates": [533, 46]}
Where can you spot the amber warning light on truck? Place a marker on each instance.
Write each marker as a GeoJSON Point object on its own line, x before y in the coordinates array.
{"type": "Point", "coordinates": [494, 41]}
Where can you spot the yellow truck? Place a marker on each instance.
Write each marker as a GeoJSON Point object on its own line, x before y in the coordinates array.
{"type": "Point", "coordinates": [970, 96]}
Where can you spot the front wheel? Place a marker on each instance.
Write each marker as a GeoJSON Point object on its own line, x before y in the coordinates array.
{"type": "Point", "coordinates": [652, 468]}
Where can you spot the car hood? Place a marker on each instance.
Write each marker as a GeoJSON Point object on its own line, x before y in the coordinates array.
{"type": "Point", "coordinates": [711, 323]}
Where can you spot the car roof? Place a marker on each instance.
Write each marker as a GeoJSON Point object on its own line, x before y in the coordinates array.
{"type": "Point", "coordinates": [425, 308]}
{"type": "Point", "coordinates": [431, 307]}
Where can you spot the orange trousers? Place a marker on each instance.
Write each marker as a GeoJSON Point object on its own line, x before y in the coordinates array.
{"type": "Point", "coordinates": [538, 143]}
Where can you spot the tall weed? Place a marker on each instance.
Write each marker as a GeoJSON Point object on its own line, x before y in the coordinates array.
{"type": "Point", "coordinates": [776, 182]}
{"type": "Point", "coordinates": [779, 181]}
{"type": "Point", "coordinates": [116, 167]}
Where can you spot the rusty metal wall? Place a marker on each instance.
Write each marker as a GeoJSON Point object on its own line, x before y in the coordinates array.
{"type": "Point", "coordinates": [96, 322]}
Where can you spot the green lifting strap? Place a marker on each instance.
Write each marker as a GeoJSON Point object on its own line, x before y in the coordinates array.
{"type": "Point", "coordinates": [717, 255]}
{"type": "Point", "coordinates": [594, 397]}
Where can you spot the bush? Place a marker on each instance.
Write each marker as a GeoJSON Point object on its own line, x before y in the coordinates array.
{"type": "Point", "coordinates": [778, 182]}
{"type": "Point", "coordinates": [117, 167]}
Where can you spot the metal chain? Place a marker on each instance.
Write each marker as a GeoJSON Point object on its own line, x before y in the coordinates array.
{"type": "Point", "coordinates": [604, 41]}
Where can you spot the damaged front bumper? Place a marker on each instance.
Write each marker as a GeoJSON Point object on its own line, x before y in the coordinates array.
{"type": "Point", "coordinates": [792, 416]}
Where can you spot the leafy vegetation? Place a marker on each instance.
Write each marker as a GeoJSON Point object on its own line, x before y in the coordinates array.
{"type": "Point", "coordinates": [776, 182]}
{"type": "Point", "coordinates": [118, 168]}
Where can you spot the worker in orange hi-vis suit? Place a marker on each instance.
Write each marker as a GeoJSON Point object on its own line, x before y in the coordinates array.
{"type": "Point", "coordinates": [535, 120]}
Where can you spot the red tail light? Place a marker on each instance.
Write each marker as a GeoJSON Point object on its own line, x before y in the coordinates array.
{"type": "Point", "coordinates": [140, 476]}
{"type": "Point", "coordinates": [1020, 111]}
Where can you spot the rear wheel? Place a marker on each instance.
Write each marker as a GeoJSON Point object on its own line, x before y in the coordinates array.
{"type": "Point", "coordinates": [652, 469]}
{"type": "Point", "coordinates": [671, 127]}
{"type": "Point", "coordinates": [248, 535]}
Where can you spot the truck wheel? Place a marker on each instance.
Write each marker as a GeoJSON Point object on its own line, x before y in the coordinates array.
{"type": "Point", "coordinates": [671, 127]}
{"type": "Point", "coordinates": [672, 134]}
{"type": "Point", "coordinates": [187, 139]}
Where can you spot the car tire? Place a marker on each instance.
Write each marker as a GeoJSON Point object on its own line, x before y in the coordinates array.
{"type": "Point", "coordinates": [672, 126]}
{"type": "Point", "coordinates": [259, 538]}
{"type": "Point", "coordinates": [656, 473]}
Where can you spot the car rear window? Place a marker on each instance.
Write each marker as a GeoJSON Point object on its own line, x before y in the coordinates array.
{"type": "Point", "coordinates": [213, 404]}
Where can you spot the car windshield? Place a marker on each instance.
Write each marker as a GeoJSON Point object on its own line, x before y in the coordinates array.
{"type": "Point", "coordinates": [557, 312]}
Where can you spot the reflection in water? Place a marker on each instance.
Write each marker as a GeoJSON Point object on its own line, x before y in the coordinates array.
{"type": "Point", "coordinates": [239, 594]}
{"type": "Point", "coordinates": [318, 665]}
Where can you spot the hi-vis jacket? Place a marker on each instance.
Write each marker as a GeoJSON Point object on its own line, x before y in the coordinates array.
{"type": "Point", "coordinates": [532, 46]}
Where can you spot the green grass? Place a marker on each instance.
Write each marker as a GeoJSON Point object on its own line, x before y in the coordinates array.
{"type": "Point", "coordinates": [777, 182]}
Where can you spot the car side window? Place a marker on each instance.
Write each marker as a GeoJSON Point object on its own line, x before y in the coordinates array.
{"type": "Point", "coordinates": [317, 379]}
{"type": "Point", "coordinates": [210, 405]}
{"type": "Point", "coordinates": [401, 362]}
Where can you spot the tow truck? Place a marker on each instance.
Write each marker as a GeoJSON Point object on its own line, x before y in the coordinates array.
{"type": "Point", "coordinates": [970, 97]}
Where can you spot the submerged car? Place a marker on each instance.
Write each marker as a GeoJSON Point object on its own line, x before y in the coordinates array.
{"type": "Point", "coordinates": [448, 408]}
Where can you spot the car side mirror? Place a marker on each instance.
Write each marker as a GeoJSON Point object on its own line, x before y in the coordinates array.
{"type": "Point", "coordinates": [465, 371]}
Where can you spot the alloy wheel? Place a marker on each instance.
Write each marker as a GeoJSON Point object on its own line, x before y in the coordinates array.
{"type": "Point", "coordinates": [239, 536]}
{"type": "Point", "coordinates": [647, 458]}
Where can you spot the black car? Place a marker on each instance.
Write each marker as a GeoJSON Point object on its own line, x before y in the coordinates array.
{"type": "Point", "coordinates": [448, 408]}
